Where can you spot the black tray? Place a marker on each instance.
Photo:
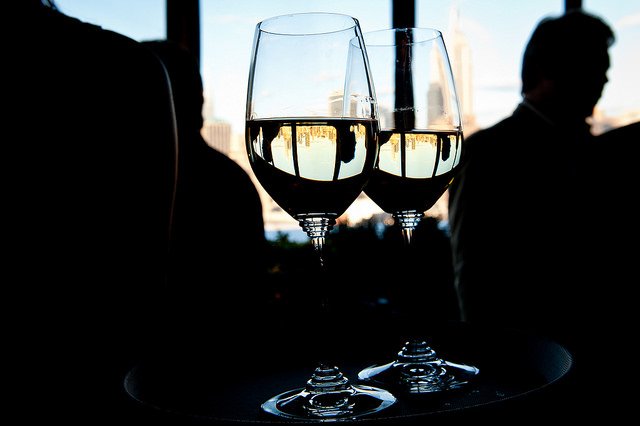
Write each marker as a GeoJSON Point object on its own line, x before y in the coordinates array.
{"type": "Point", "coordinates": [516, 371]}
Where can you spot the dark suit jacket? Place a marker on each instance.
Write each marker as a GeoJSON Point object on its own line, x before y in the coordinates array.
{"type": "Point", "coordinates": [517, 224]}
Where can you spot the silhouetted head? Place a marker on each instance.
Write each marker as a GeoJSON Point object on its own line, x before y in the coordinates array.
{"type": "Point", "coordinates": [35, 4]}
{"type": "Point", "coordinates": [565, 63]}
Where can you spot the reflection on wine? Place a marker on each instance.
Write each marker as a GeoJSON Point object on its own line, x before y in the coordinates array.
{"type": "Point", "coordinates": [414, 169]}
{"type": "Point", "coordinates": [312, 165]}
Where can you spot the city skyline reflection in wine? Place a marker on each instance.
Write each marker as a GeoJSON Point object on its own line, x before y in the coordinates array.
{"type": "Point", "coordinates": [421, 143]}
{"type": "Point", "coordinates": [312, 141]}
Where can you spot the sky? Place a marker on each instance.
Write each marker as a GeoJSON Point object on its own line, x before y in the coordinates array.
{"type": "Point", "coordinates": [496, 30]}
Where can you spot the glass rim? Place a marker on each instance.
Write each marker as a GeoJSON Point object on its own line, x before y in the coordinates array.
{"type": "Point", "coordinates": [263, 26]}
{"type": "Point", "coordinates": [425, 35]}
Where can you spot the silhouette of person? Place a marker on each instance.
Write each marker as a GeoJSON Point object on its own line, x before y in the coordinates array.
{"type": "Point", "coordinates": [87, 206]}
{"type": "Point", "coordinates": [533, 248]}
{"type": "Point", "coordinates": [519, 208]}
{"type": "Point", "coordinates": [218, 228]}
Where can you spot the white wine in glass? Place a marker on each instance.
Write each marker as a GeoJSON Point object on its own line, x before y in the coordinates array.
{"type": "Point", "coordinates": [421, 143]}
{"type": "Point", "coordinates": [311, 138]}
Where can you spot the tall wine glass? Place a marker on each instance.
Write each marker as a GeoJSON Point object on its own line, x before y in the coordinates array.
{"type": "Point", "coordinates": [311, 138]}
{"type": "Point", "coordinates": [420, 146]}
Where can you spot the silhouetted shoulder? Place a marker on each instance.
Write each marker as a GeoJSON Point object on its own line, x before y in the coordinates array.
{"type": "Point", "coordinates": [625, 135]}
{"type": "Point", "coordinates": [494, 142]}
{"type": "Point", "coordinates": [231, 181]}
{"type": "Point", "coordinates": [615, 162]}
{"type": "Point", "coordinates": [618, 148]}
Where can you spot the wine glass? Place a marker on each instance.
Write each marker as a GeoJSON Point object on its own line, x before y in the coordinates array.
{"type": "Point", "coordinates": [420, 146]}
{"type": "Point", "coordinates": [311, 138]}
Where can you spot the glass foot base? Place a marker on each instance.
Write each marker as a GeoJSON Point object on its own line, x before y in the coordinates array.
{"type": "Point", "coordinates": [418, 370]}
{"type": "Point", "coordinates": [329, 396]}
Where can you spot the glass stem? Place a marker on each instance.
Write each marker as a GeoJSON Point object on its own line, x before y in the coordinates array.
{"type": "Point", "coordinates": [409, 220]}
{"type": "Point", "coordinates": [328, 394]}
{"type": "Point", "coordinates": [407, 234]}
{"type": "Point", "coordinates": [318, 245]}
{"type": "Point", "coordinates": [317, 226]}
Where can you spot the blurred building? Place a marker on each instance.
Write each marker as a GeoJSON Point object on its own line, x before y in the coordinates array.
{"type": "Point", "coordinates": [217, 133]}
{"type": "Point", "coordinates": [601, 121]}
{"type": "Point", "coordinates": [462, 67]}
